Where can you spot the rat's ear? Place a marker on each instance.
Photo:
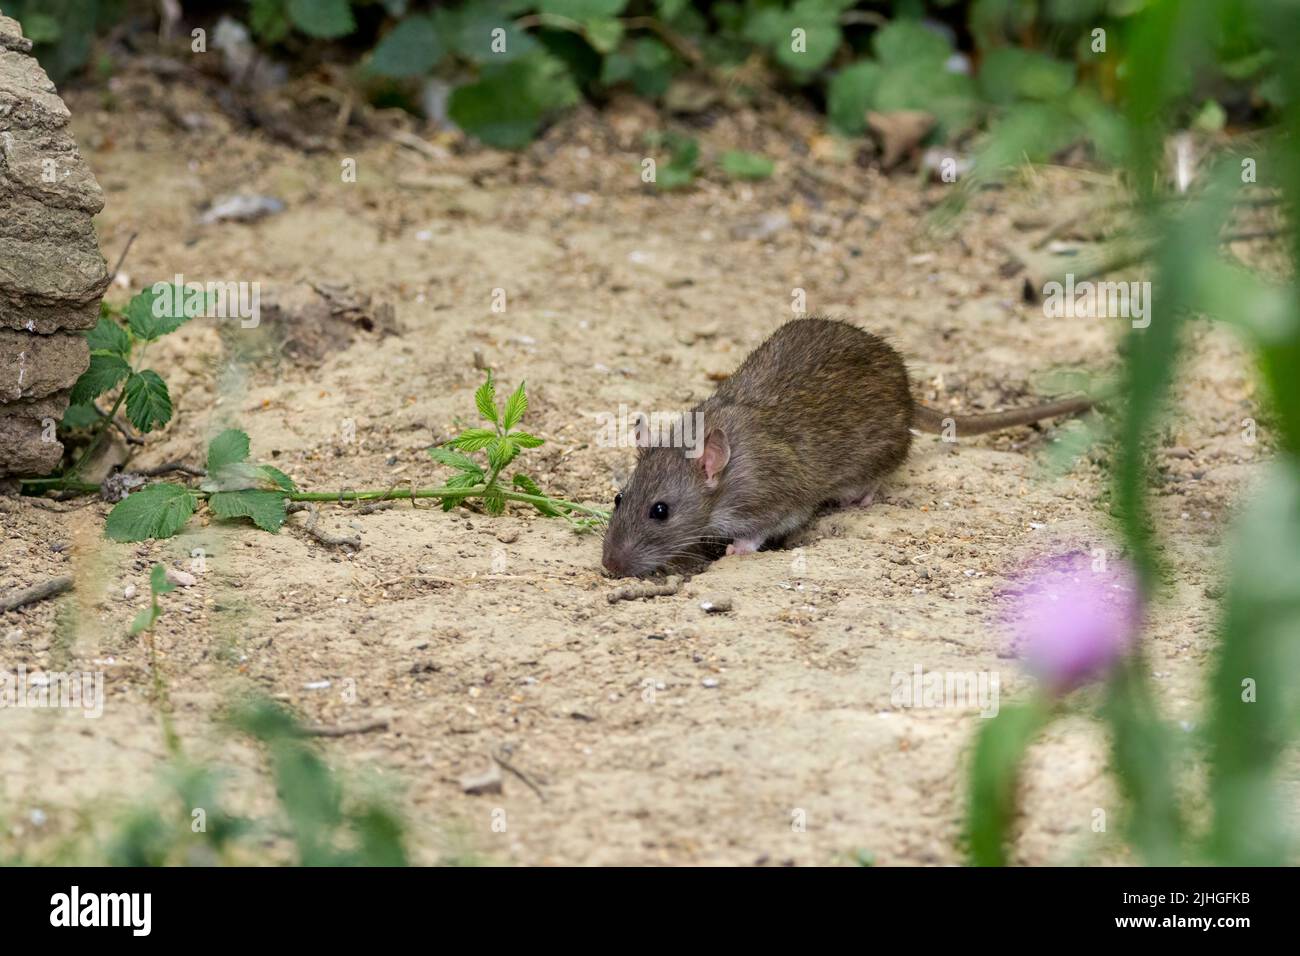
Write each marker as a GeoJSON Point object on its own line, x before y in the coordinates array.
{"type": "Point", "coordinates": [716, 454]}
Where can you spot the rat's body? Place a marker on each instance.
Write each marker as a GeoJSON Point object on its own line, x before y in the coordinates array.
{"type": "Point", "coordinates": [817, 414]}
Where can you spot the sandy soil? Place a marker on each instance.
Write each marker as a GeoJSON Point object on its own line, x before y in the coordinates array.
{"type": "Point", "coordinates": [656, 733]}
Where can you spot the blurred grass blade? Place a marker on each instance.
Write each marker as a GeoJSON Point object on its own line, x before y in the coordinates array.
{"type": "Point", "coordinates": [999, 750]}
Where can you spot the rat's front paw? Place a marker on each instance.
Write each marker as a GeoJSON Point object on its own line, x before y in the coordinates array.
{"type": "Point", "coordinates": [744, 546]}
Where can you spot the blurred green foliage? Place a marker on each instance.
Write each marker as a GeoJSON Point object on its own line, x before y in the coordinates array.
{"type": "Point", "coordinates": [1050, 70]}
{"type": "Point", "coordinates": [187, 823]}
{"type": "Point", "coordinates": [1253, 715]}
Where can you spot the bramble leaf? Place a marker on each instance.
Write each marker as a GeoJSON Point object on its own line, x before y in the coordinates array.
{"type": "Point", "coordinates": [501, 452]}
{"type": "Point", "coordinates": [158, 511]}
{"type": "Point", "coordinates": [108, 336]}
{"type": "Point", "coordinates": [230, 446]}
{"type": "Point", "coordinates": [104, 372]}
{"type": "Point", "coordinates": [516, 405]}
{"type": "Point", "coordinates": [265, 508]}
{"type": "Point", "coordinates": [453, 459]}
{"type": "Point", "coordinates": [148, 403]}
{"type": "Point", "coordinates": [411, 48]}
{"type": "Point", "coordinates": [79, 416]}
{"type": "Point", "coordinates": [485, 397]}
{"type": "Point", "coordinates": [473, 439]}
{"type": "Point", "coordinates": [525, 440]}
{"type": "Point", "coordinates": [529, 487]}
{"type": "Point", "coordinates": [278, 478]}
{"type": "Point", "coordinates": [155, 312]}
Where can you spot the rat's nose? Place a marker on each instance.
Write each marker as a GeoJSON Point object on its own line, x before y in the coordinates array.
{"type": "Point", "coordinates": [614, 563]}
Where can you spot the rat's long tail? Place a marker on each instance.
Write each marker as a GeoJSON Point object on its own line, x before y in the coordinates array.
{"type": "Point", "coordinates": [932, 421]}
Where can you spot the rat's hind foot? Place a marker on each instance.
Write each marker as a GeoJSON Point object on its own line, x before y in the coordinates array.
{"type": "Point", "coordinates": [859, 498]}
{"type": "Point", "coordinates": [744, 546]}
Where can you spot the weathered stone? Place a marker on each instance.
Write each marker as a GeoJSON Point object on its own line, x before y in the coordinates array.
{"type": "Point", "coordinates": [11, 36]}
{"type": "Point", "coordinates": [34, 366]}
{"type": "Point", "coordinates": [52, 274]}
{"type": "Point", "coordinates": [27, 444]}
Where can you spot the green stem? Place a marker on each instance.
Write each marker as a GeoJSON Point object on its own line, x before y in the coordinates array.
{"type": "Point", "coordinates": [393, 494]}
{"type": "Point", "coordinates": [104, 424]}
{"type": "Point", "coordinates": [388, 494]}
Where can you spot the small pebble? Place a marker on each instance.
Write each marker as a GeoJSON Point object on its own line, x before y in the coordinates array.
{"type": "Point", "coordinates": [128, 592]}
{"type": "Point", "coordinates": [716, 604]}
{"type": "Point", "coordinates": [182, 578]}
{"type": "Point", "coordinates": [709, 682]}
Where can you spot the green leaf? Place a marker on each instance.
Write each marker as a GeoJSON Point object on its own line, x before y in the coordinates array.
{"type": "Point", "coordinates": [742, 165]}
{"type": "Point", "coordinates": [529, 487]}
{"type": "Point", "coordinates": [1010, 73]}
{"type": "Point", "coordinates": [412, 48]}
{"type": "Point", "coordinates": [902, 42]}
{"type": "Point", "coordinates": [525, 440]}
{"type": "Point", "coordinates": [278, 478]}
{"type": "Point", "coordinates": [266, 508]}
{"type": "Point", "coordinates": [229, 447]}
{"type": "Point", "coordinates": [1000, 748]}
{"type": "Point", "coordinates": [103, 373]}
{"type": "Point", "coordinates": [473, 439]}
{"type": "Point", "coordinates": [949, 97]}
{"type": "Point", "coordinates": [508, 104]}
{"type": "Point", "coordinates": [80, 416]}
{"type": "Point", "coordinates": [501, 452]}
{"type": "Point", "coordinates": [158, 583]}
{"type": "Point", "coordinates": [471, 32]}
{"type": "Point", "coordinates": [445, 456]}
{"type": "Point", "coordinates": [158, 511]}
{"type": "Point", "coordinates": [323, 19]}
{"type": "Point", "coordinates": [463, 480]}
{"type": "Point", "coordinates": [148, 405]}
{"type": "Point", "coordinates": [164, 308]}
{"type": "Point", "coordinates": [268, 20]}
{"type": "Point", "coordinates": [516, 405]}
{"type": "Point", "coordinates": [108, 336]}
{"type": "Point", "coordinates": [821, 37]}
{"type": "Point", "coordinates": [485, 397]}
{"type": "Point", "coordinates": [603, 33]}
{"type": "Point", "coordinates": [494, 500]}
{"type": "Point", "coordinates": [684, 153]}
{"type": "Point", "coordinates": [144, 620]}
{"type": "Point", "coordinates": [850, 95]}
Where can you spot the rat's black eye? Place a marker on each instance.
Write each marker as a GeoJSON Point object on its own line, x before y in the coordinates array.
{"type": "Point", "coordinates": [659, 511]}
{"type": "Point", "coordinates": [618, 500]}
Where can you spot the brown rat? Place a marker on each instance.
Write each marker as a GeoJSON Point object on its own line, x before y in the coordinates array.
{"type": "Point", "coordinates": [817, 414]}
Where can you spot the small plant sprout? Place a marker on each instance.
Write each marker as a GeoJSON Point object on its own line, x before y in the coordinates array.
{"type": "Point", "coordinates": [158, 584]}
{"type": "Point", "coordinates": [237, 488]}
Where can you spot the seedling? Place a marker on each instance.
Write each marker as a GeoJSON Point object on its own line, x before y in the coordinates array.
{"type": "Point", "coordinates": [158, 584]}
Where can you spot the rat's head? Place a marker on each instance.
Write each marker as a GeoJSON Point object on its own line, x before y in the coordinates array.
{"type": "Point", "coordinates": [663, 516]}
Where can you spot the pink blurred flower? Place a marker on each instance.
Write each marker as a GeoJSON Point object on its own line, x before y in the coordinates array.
{"type": "Point", "coordinates": [1073, 617]}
